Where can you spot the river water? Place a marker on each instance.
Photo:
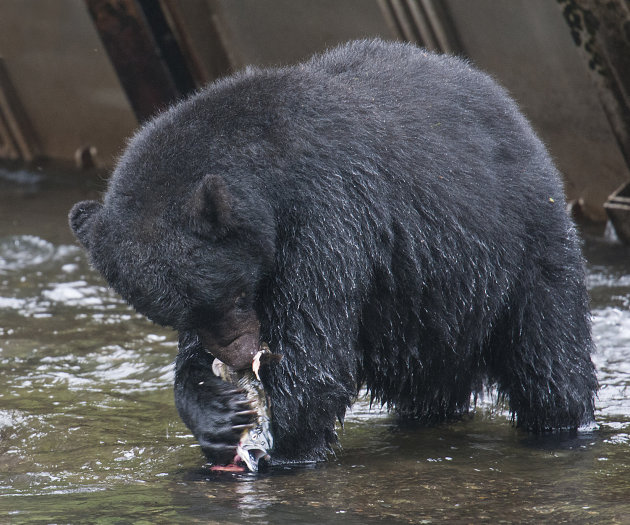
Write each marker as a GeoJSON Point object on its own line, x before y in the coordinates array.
{"type": "Point", "coordinates": [89, 433]}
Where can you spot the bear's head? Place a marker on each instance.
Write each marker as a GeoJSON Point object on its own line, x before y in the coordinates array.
{"type": "Point", "coordinates": [183, 248]}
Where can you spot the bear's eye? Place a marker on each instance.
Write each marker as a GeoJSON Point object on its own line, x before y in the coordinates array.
{"type": "Point", "coordinates": [241, 301]}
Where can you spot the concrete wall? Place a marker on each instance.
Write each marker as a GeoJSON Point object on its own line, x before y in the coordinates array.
{"type": "Point", "coordinates": [72, 95]}
{"type": "Point", "coordinates": [286, 31]}
{"type": "Point", "coordinates": [527, 46]}
{"type": "Point", "coordinates": [63, 78]}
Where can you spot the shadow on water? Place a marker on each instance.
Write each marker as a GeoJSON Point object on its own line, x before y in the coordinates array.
{"type": "Point", "coordinates": [89, 433]}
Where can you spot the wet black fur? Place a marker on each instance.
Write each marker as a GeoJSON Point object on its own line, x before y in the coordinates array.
{"type": "Point", "coordinates": [394, 222]}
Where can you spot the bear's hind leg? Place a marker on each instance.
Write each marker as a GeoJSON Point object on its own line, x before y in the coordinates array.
{"type": "Point", "coordinates": [540, 360]}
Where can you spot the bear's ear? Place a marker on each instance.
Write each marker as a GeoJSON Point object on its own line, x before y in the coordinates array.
{"type": "Point", "coordinates": [80, 218]}
{"type": "Point", "coordinates": [212, 208]}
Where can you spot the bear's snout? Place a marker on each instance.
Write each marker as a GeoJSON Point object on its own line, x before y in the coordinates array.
{"type": "Point", "coordinates": [239, 353]}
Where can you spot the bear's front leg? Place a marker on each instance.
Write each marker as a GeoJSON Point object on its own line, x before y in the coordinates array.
{"type": "Point", "coordinates": [216, 412]}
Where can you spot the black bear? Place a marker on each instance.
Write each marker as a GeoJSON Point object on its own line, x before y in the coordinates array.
{"type": "Point", "coordinates": [380, 216]}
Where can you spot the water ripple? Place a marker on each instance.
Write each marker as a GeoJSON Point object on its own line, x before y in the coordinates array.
{"type": "Point", "coordinates": [23, 251]}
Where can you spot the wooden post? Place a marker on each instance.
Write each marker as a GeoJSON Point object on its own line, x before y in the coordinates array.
{"type": "Point", "coordinates": [132, 39]}
{"type": "Point", "coordinates": [17, 136]}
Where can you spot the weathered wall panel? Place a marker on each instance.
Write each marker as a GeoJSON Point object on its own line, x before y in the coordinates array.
{"type": "Point", "coordinates": [63, 77]}
{"type": "Point", "coordinates": [527, 46]}
{"type": "Point", "coordinates": [286, 31]}
{"type": "Point", "coordinates": [72, 97]}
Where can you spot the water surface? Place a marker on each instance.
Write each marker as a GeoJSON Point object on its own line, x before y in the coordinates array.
{"type": "Point", "coordinates": [89, 433]}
